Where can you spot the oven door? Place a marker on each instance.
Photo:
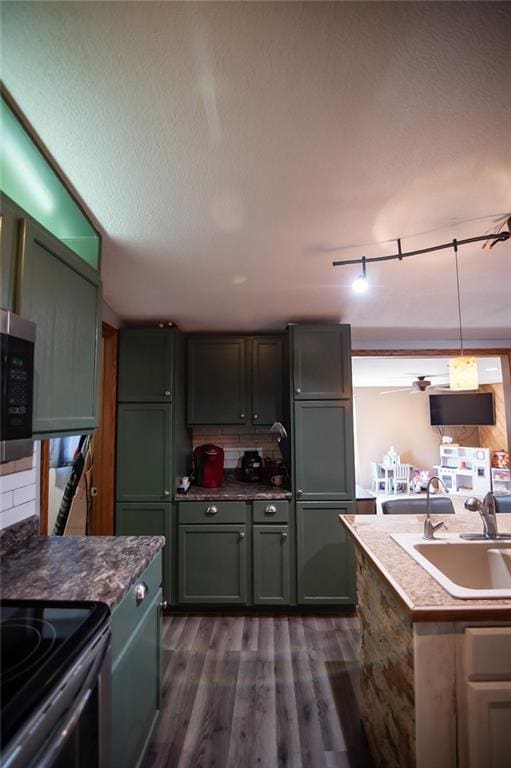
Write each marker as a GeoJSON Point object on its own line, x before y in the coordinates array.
{"type": "Point", "coordinates": [72, 727]}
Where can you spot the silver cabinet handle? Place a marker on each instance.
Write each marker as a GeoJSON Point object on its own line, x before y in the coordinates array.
{"type": "Point", "coordinates": [212, 510]}
{"type": "Point", "coordinates": [166, 492]}
{"type": "Point", "coordinates": [284, 536]}
{"type": "Point", "coordinates": [167, 393]}
{"type": "Point", "coordinates": [242, 535]}
{"type": "Point", "coordinates": [298, 390]}
{"type": "Point", "coordinates": [271, 509]}
{"type": "Point", "coordinates": [255, 417]}
{"type": "Point", "coordinates": [299, 493]}
{"type": "Point", "coordinates": [164, 605]}
{"type": "Point", "coordinates": [141, 591]}
{"type": "Point", "coordinates": [242, 415]}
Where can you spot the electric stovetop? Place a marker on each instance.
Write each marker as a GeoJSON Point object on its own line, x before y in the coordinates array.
{"type": "Point", "coordinates": [39, 640]}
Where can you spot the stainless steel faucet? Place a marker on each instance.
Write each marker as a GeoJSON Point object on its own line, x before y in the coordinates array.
{"type": "Point", "coordinates": [487, 510]}
{"type": "Point", "coordinates": [429, 526]}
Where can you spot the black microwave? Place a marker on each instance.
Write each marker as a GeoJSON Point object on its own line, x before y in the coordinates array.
{"type": "Point", "coordinates": [17, 338]}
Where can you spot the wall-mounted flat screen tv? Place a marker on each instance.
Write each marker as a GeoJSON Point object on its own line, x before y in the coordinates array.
{"type": "Point", "coordinates": [463, 409]}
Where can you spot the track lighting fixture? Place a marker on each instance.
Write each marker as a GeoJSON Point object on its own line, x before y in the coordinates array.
{"type": "Point", "coordinates": [360, 284]}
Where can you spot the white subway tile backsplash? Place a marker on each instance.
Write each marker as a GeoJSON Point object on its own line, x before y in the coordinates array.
{"type": "Point", "coordinates": [15, 514]}
{"type": "Point", "coordinates": [17, 480]}
{"type": "Point", "coordinates": [6, 501]}
{"type": "Point", "coordinates": [22, 495]}
{"type": "Point", "coordinates": [19, 484]}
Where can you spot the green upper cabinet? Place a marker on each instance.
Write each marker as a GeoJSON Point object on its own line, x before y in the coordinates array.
{"type": "Point", "coordinates": [144, 440]}
{"type": "Point", "coordinates": [266, 379]}
{"type": "Point", "coordinates": [145, 365]}
{"type": "Point", "coordinates": [235, 379]}
{"type": "Point", "coordinates": [324, 450]}
{"type": "Point", "coordinates": [217, 380]}
{"type": "Point", "coordinates": [61, 294]}
{"type": "Point", "coordinates": [325, 558]}
{"type": "Point", "coordinates": [321, 357]}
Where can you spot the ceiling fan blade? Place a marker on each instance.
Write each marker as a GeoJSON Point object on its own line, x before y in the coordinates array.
{"type": "Point", "coordinates": [391, 391]}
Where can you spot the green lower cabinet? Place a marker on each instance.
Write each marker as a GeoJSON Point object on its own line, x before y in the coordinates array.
{"type": "Point", "coordinates": [271, 565]}
{"type": "Point", "coordinates": [213, 564]}
{"type": "Point", "coordinates": [150, 520]}
{"type": "Point", "coordinates": [325, 557]}
{"type": "Point", "coordinates": [136, 669]}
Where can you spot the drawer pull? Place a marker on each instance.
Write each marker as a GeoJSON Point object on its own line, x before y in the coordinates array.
{"type": "Point", "coordinates": [299, 493]}
{"type": "Point", "coordinates": [167, 393]}
{"type": "Point", "coordinates": [212, 510]}
{"type": "Point", "coordinates": [271, 509]}
{"type": "Point", "coordinates": [164, 605]}
{"type": "Point", "coordinates": [166, 492]}
{"type": "Point", "coordinates": [284, 535]}
{"type": "Point", "coordinates": [141, 591]}
{"type": "Point", "coordinates": [242, 535]}
{"type": "Point", "coordinates": [242, 415]}
{"type": "Point", "coordinates": [298, 390]}
{"type": "Point", "coordinates": [255, 417]}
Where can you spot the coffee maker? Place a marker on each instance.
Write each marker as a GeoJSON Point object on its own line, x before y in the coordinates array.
{"type": "Point", "coordinates": [209, 465]}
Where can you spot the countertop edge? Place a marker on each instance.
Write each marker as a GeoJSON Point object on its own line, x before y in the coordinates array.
{"type": "Point", "coordinates": [427, 613]}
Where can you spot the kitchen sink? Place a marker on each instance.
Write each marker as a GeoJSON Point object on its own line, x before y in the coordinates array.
{"type": "Point", "coordinates": [466, 569]}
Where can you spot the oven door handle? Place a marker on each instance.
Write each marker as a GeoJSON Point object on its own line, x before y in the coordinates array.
{"type": "Point", "coordinates": [64, 728]}
{"type": "Point", "coordinates": [53, 749]}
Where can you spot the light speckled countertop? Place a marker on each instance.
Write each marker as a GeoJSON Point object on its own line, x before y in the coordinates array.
{"type": "Point", "coordinates": [99, 568]}
{"type": "Point", "coordinates": [419, 592]}
{"type": "Point", "coordinates": [235, 490]}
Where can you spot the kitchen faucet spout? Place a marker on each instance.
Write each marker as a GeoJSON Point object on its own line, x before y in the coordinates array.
{"type": "Point", "coordinates": [429, 526]}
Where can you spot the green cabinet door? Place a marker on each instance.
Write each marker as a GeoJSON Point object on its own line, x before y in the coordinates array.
{"type": "Point", "coordinates": [325, 558]}
{"type": "Point", "coordinates": [217, 380]}
{"type": "Point", "coordinates": [266, 379]}
{"type": "Point", "coordinates": [144, 439]}
{"type": "Point", "coordinates": [145, 365]}
{"type": "Point", "coordinates": [212, 564]}
{"type": "Point", "coordinates": [61, 294]}
{"type": "Point", "coordinates": [324, 465]}
{"type": "Point", "coordinates": [321, 361]}
{"type": "Point", "coordinates": [271, 565]}
{"type": "Point", "coordinates": [150, 520]}
{"type": "Point", "coordinates": [136, 688]}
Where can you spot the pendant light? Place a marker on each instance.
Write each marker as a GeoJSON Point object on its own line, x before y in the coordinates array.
{"type": "Point", "coordinates": [463, 374]}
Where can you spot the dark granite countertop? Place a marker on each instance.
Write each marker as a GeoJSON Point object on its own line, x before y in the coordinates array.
{"type": "Point", "coordinates": [99, 568]}
{"type": "Point", "coordinates": [235, 490]}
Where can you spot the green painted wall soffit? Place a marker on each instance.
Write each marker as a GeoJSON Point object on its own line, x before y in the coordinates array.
{"type": "Point", "coordinates": [28, 179]}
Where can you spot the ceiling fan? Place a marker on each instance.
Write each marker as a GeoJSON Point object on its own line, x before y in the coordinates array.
{"type": "Point", "coordinates": [421, 384]}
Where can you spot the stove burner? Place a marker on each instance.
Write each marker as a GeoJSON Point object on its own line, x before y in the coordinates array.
{"type": "Point", "coordinates": [24, 645]}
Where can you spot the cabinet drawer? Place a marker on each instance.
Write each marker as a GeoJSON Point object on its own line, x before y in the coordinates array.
{"type": "Point", "coordinates": [488, 653]}
{"type": "Point", "coordinates": [212, 512]}
{"type": "Point", "coordinates": [129, 612]}
{"type": "Point", "coordinates": [271, 511]}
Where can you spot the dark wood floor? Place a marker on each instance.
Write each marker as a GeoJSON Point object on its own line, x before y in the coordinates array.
{"type": "Point", "coordinates": [242, 691]}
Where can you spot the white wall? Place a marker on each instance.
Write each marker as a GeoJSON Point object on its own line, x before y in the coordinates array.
{"type": "Point", "coordinates": [19, 488]}
{"type": "Point", "coordinates": [402, 420]}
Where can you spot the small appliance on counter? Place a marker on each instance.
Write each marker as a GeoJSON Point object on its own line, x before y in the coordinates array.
{"type": "Point", "coordinates": [251, 467]}
{"type": "Point", "coordinates": [209, 465]}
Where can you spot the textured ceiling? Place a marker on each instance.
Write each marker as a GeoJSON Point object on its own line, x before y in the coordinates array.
{"type": "Point", "coordinates": [230, 151]}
